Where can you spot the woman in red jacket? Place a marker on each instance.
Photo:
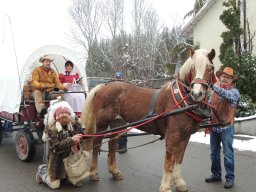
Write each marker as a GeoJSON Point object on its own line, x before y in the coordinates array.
{"type": "Point", "coordinates": [67, 78]}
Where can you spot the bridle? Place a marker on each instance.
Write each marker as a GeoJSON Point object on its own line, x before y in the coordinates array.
{"type": "Point", "coordinates": [203, 82]}
{"type": "Point", "coordinates": [200, 81]}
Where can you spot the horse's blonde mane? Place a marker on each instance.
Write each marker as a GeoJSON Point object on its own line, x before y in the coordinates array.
{"type": "Point", "coordinates": [87, 114]}
{"type": "Point", "coordinates": [200, 56]}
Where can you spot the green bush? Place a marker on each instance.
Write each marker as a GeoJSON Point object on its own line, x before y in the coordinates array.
{"type": "Point", "coordinates": [246, 107]}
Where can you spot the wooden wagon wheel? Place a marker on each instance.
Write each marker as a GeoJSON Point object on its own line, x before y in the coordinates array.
{"type": "Point", "coordinates": [25, 145]}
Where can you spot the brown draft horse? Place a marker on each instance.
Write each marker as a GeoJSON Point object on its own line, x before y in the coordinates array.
{"type": "Point", "coordinates": [106, 104]}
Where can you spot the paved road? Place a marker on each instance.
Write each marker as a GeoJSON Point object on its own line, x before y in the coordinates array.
{"type": "Point", "coordinates": [141, 168]}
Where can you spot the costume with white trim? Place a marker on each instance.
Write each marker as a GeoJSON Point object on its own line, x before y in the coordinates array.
{"type": "Point", "coordinates": [59, 140]}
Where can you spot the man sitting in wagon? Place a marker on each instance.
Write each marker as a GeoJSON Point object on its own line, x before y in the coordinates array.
{"type": "Point", "coordinates": [44, 80]}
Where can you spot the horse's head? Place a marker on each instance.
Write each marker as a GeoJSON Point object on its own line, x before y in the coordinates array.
{"type": "Point", "coordinates": [197, 72]}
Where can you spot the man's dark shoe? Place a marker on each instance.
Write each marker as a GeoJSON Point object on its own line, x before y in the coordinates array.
{"type": "Point", "coordinates": [212, 179]}
{"type": "Point", "coordinates": [122, 150]}
{"type": "Point", "coordinates": [43, 112]}
{"type": "Point", "coordinates": [229, 184]}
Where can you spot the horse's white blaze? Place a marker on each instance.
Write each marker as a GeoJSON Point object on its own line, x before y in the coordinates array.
{"type": "Point", "coordinates": [196, 88]}
{"type": "Point", "coordinates": [166, 182]}
{"type": "Point", "coordinates": [178, 180]}
{"type": "Point", "coordinates": [200, 67]}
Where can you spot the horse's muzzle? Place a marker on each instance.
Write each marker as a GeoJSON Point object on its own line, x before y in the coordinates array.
{"type": "Point", "coordinates": [198, 96]}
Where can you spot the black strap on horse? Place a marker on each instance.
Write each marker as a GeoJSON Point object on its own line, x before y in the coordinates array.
{"type": "Point", "coordinates": [153, 104]}
{"type": "Point", "coordinates": [152, 109]}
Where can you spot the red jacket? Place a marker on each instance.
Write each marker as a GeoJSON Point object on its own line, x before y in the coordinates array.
{"type": "Point", "coordinates": [68, 78]}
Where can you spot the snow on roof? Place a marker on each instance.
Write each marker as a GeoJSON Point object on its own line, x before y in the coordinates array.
{"type": "Point", "coordinates": [188, 28]}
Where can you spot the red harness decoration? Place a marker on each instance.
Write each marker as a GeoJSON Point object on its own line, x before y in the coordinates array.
{"type": "Point", "coordinates": [182, 94]}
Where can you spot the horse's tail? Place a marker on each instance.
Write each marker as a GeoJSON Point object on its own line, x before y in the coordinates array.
{"type": "Point", "coordinates": [88, 117]}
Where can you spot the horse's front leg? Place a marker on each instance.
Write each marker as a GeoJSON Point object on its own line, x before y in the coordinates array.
{"type": "Point", "coordinates": [112, 165]}
{"type": "Point", "coordinates": [173, 158]}
{"type": "Point", "coordinates": [177, 178]}
{"type": "Point", "coordinates": [94, 167]}
{"type": "Point", "coordinates": [167, 173]}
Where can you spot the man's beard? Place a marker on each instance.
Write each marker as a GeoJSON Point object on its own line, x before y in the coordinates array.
{"type": "Point", "coordinates": [64, 121]}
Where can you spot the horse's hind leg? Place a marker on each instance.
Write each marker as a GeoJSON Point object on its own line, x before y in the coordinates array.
{"type": "Point", "coordinates": [112, 165]}
{"type": "Point", "coordinates": [94, 167]}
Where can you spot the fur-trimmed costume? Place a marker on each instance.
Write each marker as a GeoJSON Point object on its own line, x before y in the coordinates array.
{"type": "Point", "coordinates": [60, 144]}
{"type": "Point", "coordinates": [59, 140]}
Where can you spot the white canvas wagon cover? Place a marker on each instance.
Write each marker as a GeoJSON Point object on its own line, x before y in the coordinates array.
{"type": "Point", "coordinates": [13, 76]}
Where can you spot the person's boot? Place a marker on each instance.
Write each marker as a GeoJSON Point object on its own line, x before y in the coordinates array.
{"type": "Point", "coordinates": [41, 173]}
{"type": "Point", "coordinates": [229, 184]}
{"type": "Point", "coordinates": [212, 179]}
{"type": "Point", "coordinates": [122, 145]}
{"type": "Point", "coordinates": [122, 148]}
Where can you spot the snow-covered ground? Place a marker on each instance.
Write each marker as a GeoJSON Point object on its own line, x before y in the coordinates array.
{"type": "Point", "coordinates": [245, 118]}
{"type": "Point", "coordinates": [246, 144]}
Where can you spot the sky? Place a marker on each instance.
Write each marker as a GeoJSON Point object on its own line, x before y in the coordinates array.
{"type": "Point", "coordinates": [36, 23]}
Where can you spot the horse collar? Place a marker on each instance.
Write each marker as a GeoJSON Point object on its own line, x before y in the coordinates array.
{"type": "Point", "coordinates": [178, 93]}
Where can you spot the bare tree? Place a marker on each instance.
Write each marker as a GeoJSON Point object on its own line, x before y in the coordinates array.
{"type": "Point", "coordinates": [151, 23]}
{"type": "Point", "coordinates": [87, 17]}
{"type": "Point", "coordinates": [114, 19]}
{"type": "Point", "coordinates": [114, 15]}
{"type": "Point", "coordinates": [138, 13]}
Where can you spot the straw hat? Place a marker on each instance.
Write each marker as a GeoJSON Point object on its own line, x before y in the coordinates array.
{"type": "Point", "coordinates": [41, 60]}
{"type": "Point", "coordinates": [227, 71]}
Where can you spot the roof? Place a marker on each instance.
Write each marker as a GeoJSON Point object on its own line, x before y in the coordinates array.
{"type": "Point", "coordinates": [188, 29]}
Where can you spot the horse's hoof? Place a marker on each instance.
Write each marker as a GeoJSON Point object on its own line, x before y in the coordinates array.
{"type": "Point", "coordinates": [181, 191]}
{"type": "Point", "coordinates": [117, 176]}
{"type": "Point", "coordinates": [94, 177]}
{"type": "Point", "coordinates": [78, 184]}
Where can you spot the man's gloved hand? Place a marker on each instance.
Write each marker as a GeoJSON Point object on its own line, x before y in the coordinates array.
{"type": "Point", "coordinates": [65, 89]}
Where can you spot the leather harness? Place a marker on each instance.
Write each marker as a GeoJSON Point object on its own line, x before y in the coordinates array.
{"type": "Point", "coordinates": [178, 92]}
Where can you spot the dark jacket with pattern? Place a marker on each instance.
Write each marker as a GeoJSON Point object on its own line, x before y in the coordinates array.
{"type": "Point", "coordinates": [60, 144]}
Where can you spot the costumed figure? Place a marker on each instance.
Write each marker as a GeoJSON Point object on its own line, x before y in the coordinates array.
{"type": "Point", "coordinates": [63, 131]}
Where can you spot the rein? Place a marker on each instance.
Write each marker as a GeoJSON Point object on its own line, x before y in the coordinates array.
{"type": "Point", "coordinates": [136, 126]}
{"type": "Point", "coordinates": [147, 143]}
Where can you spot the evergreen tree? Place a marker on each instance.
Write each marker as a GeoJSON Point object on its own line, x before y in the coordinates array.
{"type": "Point", "coordinates": [231, 55]}
{"type": "Point", "coordinates": [230, 49]}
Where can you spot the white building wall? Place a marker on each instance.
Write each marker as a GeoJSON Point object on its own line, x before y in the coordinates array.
{"type": "Point", "coordinates": [251, 16]}
{"type": "Point", "coordinates": [208, 30]}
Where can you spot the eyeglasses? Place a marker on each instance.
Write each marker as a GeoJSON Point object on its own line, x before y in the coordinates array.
{"type": "Point", "coordinates": [227, 76]}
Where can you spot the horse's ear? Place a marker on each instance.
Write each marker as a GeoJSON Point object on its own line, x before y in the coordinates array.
{"type": "Point", "coordinates": [191, 52]}
{"type": "Point", "coordinates": [211, 55]}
